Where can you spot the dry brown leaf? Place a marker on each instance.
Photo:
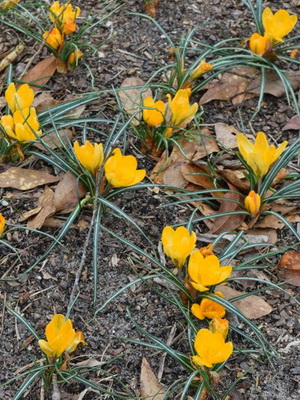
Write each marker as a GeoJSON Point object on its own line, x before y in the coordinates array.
{"type": "Point", "coordinates": [197, 175]}
{"type": "Point", "coordinates": [53, 141]}
{"type": "Point", "coordinates": [67, 192]}
{"type": "Point", "coordinates": [202, 146]}
{"type": "Point", "coordinates": [231, 86]}
{"type": "Point", "coordinates": [41, 73]}
{"type": "Point", "coordinates": [289, 268]}
{"type": "Point", "coordinates": [25, 179]}
{"type": "Point", "coordinates": [173, 176]}
{"type": "Point", "coordinates": [252, 307]}
{"type": "Point", "coordinates": [228, 222]}
{"type": "Point", "coordinates": [273, 83]}
{"type": "Point", "coordinates": [261, 234]}
{"type": "Point", "coordinates": [292, 124]}
{"type": "Point", "coordinates": [151, 7]}
{"type": "Point", "coordinates": [47, 209]}
{"type": "Point", "coordinates": [43, 101]}
{"type": "Point", "coordinates": [232, 178]}
{"type": "Point", "coordinates": [132, 98]}
{"type": "Point", "coordinates": [270, 221]}
{"type": "Point", "coordinates": [150, 387]}
{"type": "Point", "coordinates": [226, 135]}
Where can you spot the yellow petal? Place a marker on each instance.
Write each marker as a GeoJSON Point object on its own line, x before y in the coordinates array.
{"type": "Point", "coordinates": [2, 223]}
{"type": "Point", "coordinates": [154, 116]}
{"type": "Point", "coordinates": [19, 99]}
{"type": "Point", "coordinates": [46, 348]}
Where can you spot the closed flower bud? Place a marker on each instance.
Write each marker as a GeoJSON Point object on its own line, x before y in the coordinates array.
{"type": "Point", "coordinates": [89, 155]}
{"type": "Point", "coordinates": [200, 69]}
{"type": "Point", "coordinates": [153, 112]}
{"type": "Point", "coordinates": [122, 170]}
{"type": "Point", "coordinates": [259, 44]}
{"type": "Point", "coordinates": [53, 38]}
{"type": "Point", "coordinates": [73, 59]}
{"type": "Point", "coordinates": [178, 244]}
{"type": "Point", "coordinates": [252, 203]}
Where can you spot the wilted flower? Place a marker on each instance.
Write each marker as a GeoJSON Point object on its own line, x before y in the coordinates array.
{"type": "Point", "coordinates": [259, 44]}
{"type": "Point", "coordinates": [122, 170]}
{"type": "Point", "coordinates": [182, 112]}
{"type": "Point", "coordinates": [219, 325]}
{"type": "Point", "coordinates": [211, 348]}
{"type": "Point", "coordinates": [252, 203]}
{"type": "Point", "coordinates": [279, 24]}
{"type": "Point", "coordinates": [60, 337]}
{"type": "Point", "coordinates": [23, 125]}
{"type": "Point", "coordinates": [89, 155]}
{"type": "Point", "coordinates": [73, 59]}
{"type": "Point", "coordinates": [19, 99]}
{"type": "Point", "coordinates": [178, 244]}
{"type": "Point", "coordinates": [209, 308]}
{"type": "Point", "coordinates": [259, 156]}
{"type": "Point", "coordinates": [5, 4]}
{"type": "Point", "coordinates": [2, 224]}
{"type": "Point", "coordinates": [64, 17]}
{"type": "Point", "coordinates": [53, 38]}
{"type": "Point", "coordinates": [206, 271]}
{"type": "Point", "coordinates": [154, 116]}
{"type": "Point", "coordinates": [200, 69]}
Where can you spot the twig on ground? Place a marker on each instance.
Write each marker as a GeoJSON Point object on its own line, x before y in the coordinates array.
{"type": "Point", "coordinates": [164, 355]}
{"type": "Point", "coordinates": [3, 313]}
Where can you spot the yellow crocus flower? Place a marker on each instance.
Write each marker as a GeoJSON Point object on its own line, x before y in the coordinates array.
{"type": "Point", "coordinates": [5, 4]}
{"type": "Point", "coordinates": [22, 126]}
{"type": "Point", "coordinates": [220, 325]}
{"type": "Point", "coordinates": [64, 17]}
{"type": "Point", "coordinates": [211, 348]}
{"type": "Point", "coordinates": [208, 308]}
{"type": "Point", "coordinates": [2, 224]}
{"type": "Point", "coordinates": [279, 24]}
{"type": "Point", "coordinates": [73, 58]}
{"type": "Point", "coordinates": [154, 116]}
{"type": "Point", "coordinates": [200, 69]}
{"type": "Point", "coordinates": [259, 156]}
{"type": "Point", "coordinates": [60, 337]}
{"type": "Point", "coordinates": [122, 170]}
{"type": "Point", "coordinates": [178, 244]}
{"type": "Point", "coordinates": [259, 44]}
{"type": "Point", "coordinates": [206, 271]}
{"type": "Point", "coordinates": [182, 112]}
{"type": "Point", "coordinates": [53, 38]}
{"type": "Point", "coordinates": [252, 203]}
{"type": "Point", "coordinates": [19, 99]}
{"type": "Point", "coordinates": [89, 155]}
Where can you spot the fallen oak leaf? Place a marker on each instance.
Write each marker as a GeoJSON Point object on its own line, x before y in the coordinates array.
{"type": "Point", "coordinates": [41, 73]}
{"type": "Point", "coordinates": [226, 135]}
{"type": "Point", "coordinates": [25, 179]}
{"type": "Point", "coordinates": [150, 387]}
{"type": "Point", "coordinates": [252, 306]}
{"type": "Point", "coordinates": [67, 194]}
{"type": "Point", "coordinates": [289, 267]}
{"type": "Point", "coordinates": [292, 124]}
{"type": "Point", "coordinates": [47, 209]}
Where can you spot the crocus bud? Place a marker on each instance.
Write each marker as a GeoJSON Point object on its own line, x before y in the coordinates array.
{"type": "Point", "coordinates": [259, 44]}
{"type": "Point", "coordinates": [252, 203]}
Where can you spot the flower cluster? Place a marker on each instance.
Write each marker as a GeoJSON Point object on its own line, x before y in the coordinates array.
{"type": "Point", "coordinates": [204, 270]}
{"type": "Point", "coordinates": [119, 170]}
{"type": "Point", "coordinates": [63, 17]}
{"type": "Point", "coordinates": [22, 124]}
{"type": "Point", "coordinates": [276, 27]}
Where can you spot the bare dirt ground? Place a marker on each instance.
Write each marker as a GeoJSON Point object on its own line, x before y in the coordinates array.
{"type": "Point", "coordinates": [134, 49]}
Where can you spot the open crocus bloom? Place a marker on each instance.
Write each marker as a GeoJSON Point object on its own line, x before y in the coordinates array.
{"type": "Point", "coordinates": [153, 112]}
{"type": "Point", "coordinates": [60, 337]}
{"type": "Point", "coordinates": [182, 112]}
{"type": "Point", "coordinates": [19, 99]}
{"type": "Point", "coordinates": [211, 348]}
{"type": "Point", "coordinates": [259, 156]}
{"type": "Point", "coordinates": [252, 203]}
{"type": "Point", "coordinates": [279, 24]}
{"type": "Point", "coordinates": [259, 44]}
{"type": "Point", "coordinates": [208, 308]}
{"type": "Point", "coordinates": [178, 244]}
{"type": "Point", "coordinates": [22, 126]}
{"type": "Point", "coordinates": [122, 170]}
{"type": "Point", "coordinates": [206, 271]}
{"type": "Point", "coordinates": [64, 17]}
{"type": "Point", "coordinates": [89, 155]}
